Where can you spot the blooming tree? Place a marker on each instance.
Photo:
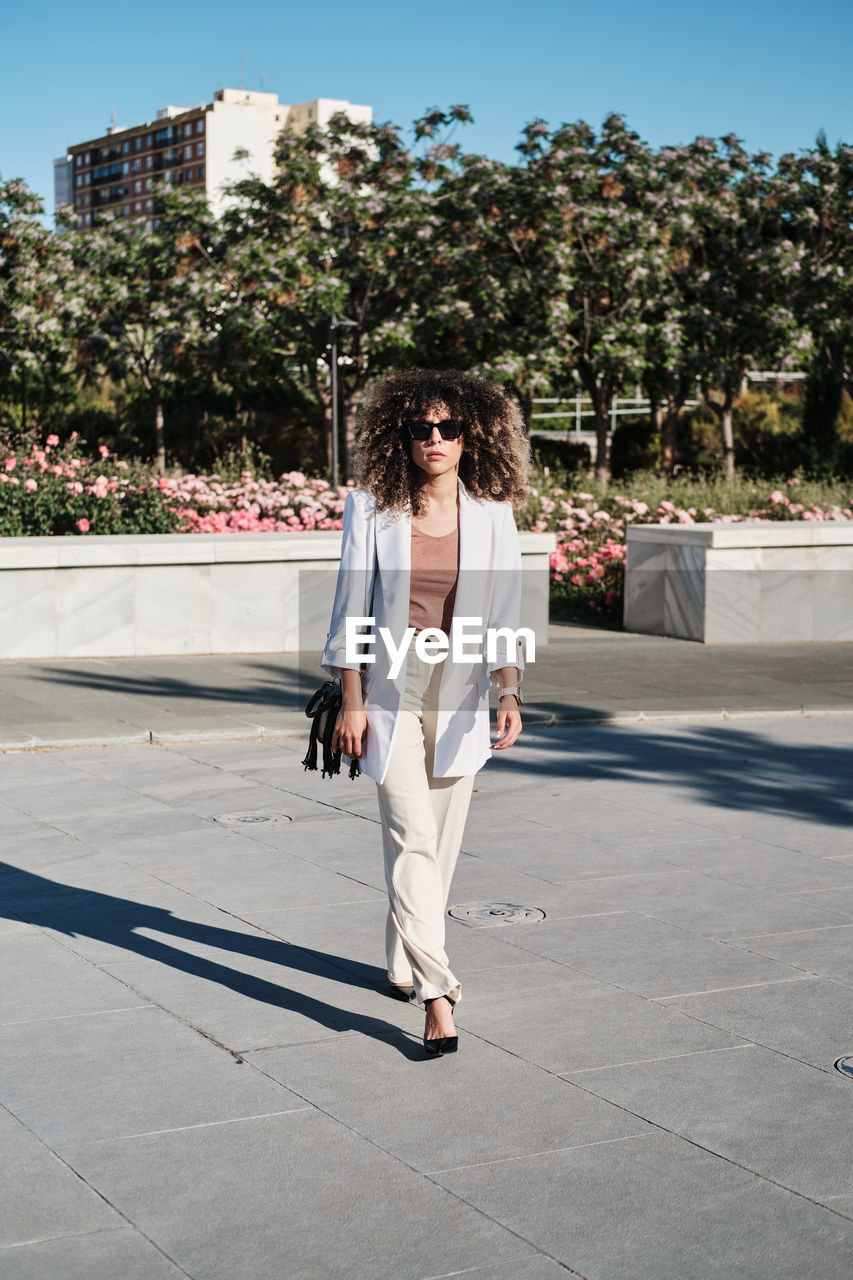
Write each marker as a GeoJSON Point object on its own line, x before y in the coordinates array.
{"type": "Point", "coordinates": [151, 299]}
{"type": "Point", "coordinates": [38, 305]}
{"type": "Point", "coordinates": [818, 209]}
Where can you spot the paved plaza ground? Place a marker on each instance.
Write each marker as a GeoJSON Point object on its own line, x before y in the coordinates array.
{"type": "Point", "coordinates": [202, 1076]}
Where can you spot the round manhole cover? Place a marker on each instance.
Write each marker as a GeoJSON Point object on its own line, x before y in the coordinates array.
{"type": "Point", "coordinates": [482, 915]}
{"type": "Point", "coordinates": [845, 1065]}
{"type": "Point", "coordinates": [250, 819]}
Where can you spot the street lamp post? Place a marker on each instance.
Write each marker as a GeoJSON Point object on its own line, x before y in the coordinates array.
{"type": "Point", "coordinates": [335, 324]}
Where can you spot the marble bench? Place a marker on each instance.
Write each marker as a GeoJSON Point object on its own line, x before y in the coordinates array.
{"type": "Point", "coordinates": [759, 582]}
{"type": "Point", "coordinates": [125, 595]}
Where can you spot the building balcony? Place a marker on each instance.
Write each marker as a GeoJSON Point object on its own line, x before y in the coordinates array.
{"type": "Point", "coordinates": [105, 173]}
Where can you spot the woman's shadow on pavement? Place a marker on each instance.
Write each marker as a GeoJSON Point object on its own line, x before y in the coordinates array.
{"type": "Point", "coordinates": [75, 912]}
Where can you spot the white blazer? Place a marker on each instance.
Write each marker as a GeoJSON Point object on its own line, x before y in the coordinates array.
{"type": "Point", "coordinates": [488, 588]}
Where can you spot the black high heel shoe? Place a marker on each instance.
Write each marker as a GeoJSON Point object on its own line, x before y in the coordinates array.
{"type": "Point", "coordinates": [406, 994]}
{"type": "Point", "coordinates": [434, 1048]}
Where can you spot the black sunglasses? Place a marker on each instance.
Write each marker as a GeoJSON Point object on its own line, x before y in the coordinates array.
{"type": "Point", "coordinates": [422, 431]}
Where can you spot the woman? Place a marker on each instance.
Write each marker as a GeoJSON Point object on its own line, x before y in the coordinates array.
{"type": "Point", "coordinates": [429, 545]}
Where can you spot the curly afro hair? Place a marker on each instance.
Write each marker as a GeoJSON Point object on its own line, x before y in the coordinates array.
{"type": "Point", "coordinates": [495, 456]}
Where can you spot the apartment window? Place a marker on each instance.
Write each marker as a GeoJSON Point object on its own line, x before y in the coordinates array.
{"type": "Point", "coordinates": [147, 184]}
{"type": "Point", "coordinates": [188, 130]}
{"type": "Point", "coordinates": [199, 148]}
{"type": "Point", "coordinates": [149, 140]}
{"type": "Point", "coordinates": [125, 168]}
{"type": "Point", "coordinates": [201, 171]}
{"type": "Point", "coordinates": [188, 153]}
{"type": "Point", "coordinates": [127, 210]}
{"type": "Point", "coordinates": [137, 186]}
{"type": "Point", "coordinates": [87, 179]}
{"type": "Point", "coordinates": [125, 147]}
{"type": "Point", "coordinates": [87, 218]}
{"type": "Point", "coordinates": [79, 180]}
{"type": "Point", "coordinates": [188, 176]}
{"type": "Point", "coordinates": [138, 206]}
{"type": "Point", "coordinates": [86, 158]}
{"type": "Point", "coordinates": [137, 144]}
{"type": "Point", "coordinates": [149, 161]}
{"type": "Point", "coordinates": [199, 126]}
{"type": "Point", "coordinates": [149, 205]}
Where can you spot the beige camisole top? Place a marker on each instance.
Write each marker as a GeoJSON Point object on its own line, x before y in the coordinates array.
{"type": "Point", "coordinates": [435, 568]}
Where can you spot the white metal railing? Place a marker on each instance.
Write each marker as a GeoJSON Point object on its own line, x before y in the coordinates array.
{"type": "Point", "coordinates": [579, 406]}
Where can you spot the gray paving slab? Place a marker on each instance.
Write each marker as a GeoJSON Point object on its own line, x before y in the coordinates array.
{"type": "Point", "coordinates": [657, 1208]}
{"type": "Point", "coordinates": [538, 1267]}
{"type": "Point", "coordinates": [770, 1114]}
{"type": "Point", "coordinates": [355, 932]}
{"type": "Point", "coordinates": [106, 1075]}
{"type": "Point", "coordinates": [827, 951]}
{"type": "Point", "coordinates": [762, 866]}
{"type": "Point", "coordinates": [810, 1019]}
{"type": "Point", "coordinates": [239, 938]}
{"type": "Point", "coordinates": [99, 826]}
{"type": "Point", "coordinates": [42, 979]}
{"type": "Point", "coordinates": [271, 994]}
{"type": "Point", "coordinates": [479, 879]}
{"type": "Point", "coordinates": [96, 1255]}
{"type": "Point", "coordinates": [651, 957]}
{"type": "Point", "coordinates": [511, 1107]}
{"type": "Point", "coordinates": [75, 869]}
{"type": "Point", "coordinates": [838, 900]}
{"type": "Point", "coordinates": [712, 907]}
{"type": "Point", "coordinates": [262, 879]}
{"type": "Point", "coordinates": [265, 1180]}
{"type": "Point", "coordinates": [564, 1020]}
{"type": "Point", "coordinates": [44, 1198]}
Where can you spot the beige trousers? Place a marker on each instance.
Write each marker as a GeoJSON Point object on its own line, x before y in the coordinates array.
{"type": "Point", "coordinates": [423, 819]}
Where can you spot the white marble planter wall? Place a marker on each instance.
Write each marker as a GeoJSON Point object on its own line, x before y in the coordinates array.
{"type": "Point", "coordinates": [123, 595]}
{"type": "Point", "coordinates": [755, 583]}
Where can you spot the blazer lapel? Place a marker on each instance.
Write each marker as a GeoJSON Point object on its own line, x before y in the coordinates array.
{"type": "Point", "coordinates": [475, 555]}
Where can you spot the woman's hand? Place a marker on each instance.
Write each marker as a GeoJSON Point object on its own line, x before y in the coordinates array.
{"type": "Point", "coordinates": [509, 722]}
{"type": "Point", "coordinates": [351, 724]}
{"type": "Point", "coordinates": [349, 731]}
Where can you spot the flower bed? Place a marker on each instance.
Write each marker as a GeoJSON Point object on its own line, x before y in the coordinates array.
{"type": "Point", "coordinates": [55, 489]}
{"type": "Point", "coordinates": [588, 565]}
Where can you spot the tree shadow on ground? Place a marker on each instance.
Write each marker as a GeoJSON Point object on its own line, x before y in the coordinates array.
{"type": "Point", "coordinates": [76, 913]}
{"type": "Point", "coordinates": [726, 767]}
{"type": "Point", "coordinates": [282, 684]}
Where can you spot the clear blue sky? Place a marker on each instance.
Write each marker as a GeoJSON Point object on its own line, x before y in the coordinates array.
{"type": "Point", "coordinates": [773, 72]}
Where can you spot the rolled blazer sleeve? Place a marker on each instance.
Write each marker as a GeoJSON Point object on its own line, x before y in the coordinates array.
{"type": "Point", "coordinates": [355, 581]}
{"type": "Point", "coordinates": [506, 592]}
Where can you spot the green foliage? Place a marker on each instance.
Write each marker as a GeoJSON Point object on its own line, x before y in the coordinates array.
{"type": "Point", "coordinates": [237, 461]}
{"type": "Point", "coordinates": [562, 455]}
{"type": "Point", "coordinates": [700, 491]}
{"type": "Point", "coordinates": [594, 261]}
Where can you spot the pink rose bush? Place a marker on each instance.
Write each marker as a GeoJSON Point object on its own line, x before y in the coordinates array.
{"type": "Point", "coordinates": [588, 565]}
{"type": "Point", "coordinates": [54, 489]}
{"type": "Point", "coordinates": [293, 503]}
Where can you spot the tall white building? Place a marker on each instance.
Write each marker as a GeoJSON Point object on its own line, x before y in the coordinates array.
{"type": "Point", "coordinates": [206, 146]}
